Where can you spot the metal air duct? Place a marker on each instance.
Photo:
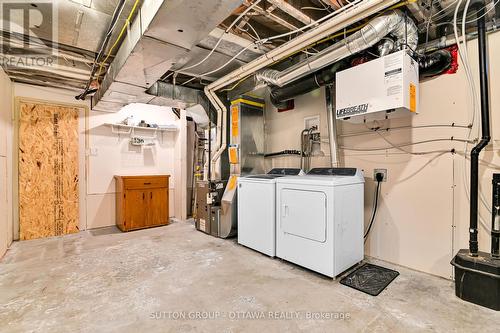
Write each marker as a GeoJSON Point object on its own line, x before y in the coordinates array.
{"type": "Point", "coordinates": [166, 94]}
{"type": "Point", "coordinates": [393, 23]}
{"type": "Point", "coordinates": [162, 32]}
{"type": "Point", "coordinates": [280, 95]}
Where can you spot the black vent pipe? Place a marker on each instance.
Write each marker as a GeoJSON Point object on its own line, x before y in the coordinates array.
{"type": "Point", "coordinates": [485, 129]}
{"type": "Point", "coordinates": [280, 95]}
{"type": "Point", "coordinates": [435, 63]}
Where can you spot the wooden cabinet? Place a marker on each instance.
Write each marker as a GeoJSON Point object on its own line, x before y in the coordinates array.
{"type": "Point", "coordinates": [141, 201]}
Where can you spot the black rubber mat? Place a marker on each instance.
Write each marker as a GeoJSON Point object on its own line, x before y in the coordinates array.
{"type": "Point", "coordinates": [370, 279]}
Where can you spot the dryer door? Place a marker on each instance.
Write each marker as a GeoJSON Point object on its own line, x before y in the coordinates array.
{"type": "Point", "coordinates": [303, 214]}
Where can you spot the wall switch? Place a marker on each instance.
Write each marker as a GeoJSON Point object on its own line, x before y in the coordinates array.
{"type": "Point", "coordinates": [382, 171]}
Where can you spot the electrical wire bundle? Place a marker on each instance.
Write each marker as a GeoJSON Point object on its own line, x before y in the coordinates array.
{"type": "Point", "coordinates": [112, 26]}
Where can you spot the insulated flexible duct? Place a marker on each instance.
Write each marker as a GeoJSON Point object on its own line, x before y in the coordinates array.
{"type": "Point", "coordinates": [394, 23]}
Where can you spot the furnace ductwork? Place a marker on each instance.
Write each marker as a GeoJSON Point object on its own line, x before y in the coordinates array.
{"type": "Point", "coordinates": [269, 76]}
{"type": "Point", "coordinates": [393, 23]}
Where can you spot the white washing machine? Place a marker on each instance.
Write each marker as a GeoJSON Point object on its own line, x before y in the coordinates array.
{"type": "Point", "coordinates": [257, 210]}
{"type": "Point", "coordinates": [319, 221]}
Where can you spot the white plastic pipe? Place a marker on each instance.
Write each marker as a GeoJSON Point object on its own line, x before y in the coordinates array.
{"type": "Point", "coordinates": [221, 128]}
{"type": "Point", "coordinates": [336, 23]}
{"type": "Point", "coordinates": [392, 22]}
{"type": "Point", "coordinates": [332, 125]}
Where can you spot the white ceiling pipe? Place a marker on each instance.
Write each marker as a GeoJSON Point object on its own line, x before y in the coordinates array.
{"type": "Point", "coordinates": [221, 118]}
{"type": "Point", "coordinates": [340, 21]}
{"type": "Point", "coordinates": [221, 129]}
{"type": "Point", "coordinates": [349, 16]}
{"type": "Point", "coordinates": [394, 22]}
{"type": "Point", "coordinates": [218, 141]}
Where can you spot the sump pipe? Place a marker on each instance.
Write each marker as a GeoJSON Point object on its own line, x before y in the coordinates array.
{"type": "Point", "coordinates": [485, 132]}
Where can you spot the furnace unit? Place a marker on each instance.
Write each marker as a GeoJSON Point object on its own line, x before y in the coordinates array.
{"type": "Point", "coordinates": [246, 155]}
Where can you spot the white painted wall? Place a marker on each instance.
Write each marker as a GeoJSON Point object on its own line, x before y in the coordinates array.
{"type": "Point", "coordinates": [283, 129]}
{"type": "Point", "coordinates": [423, 216]}
{"type": "Point", "coordinates": [5, 162]}
{"type": "Point", "coordinates": [111, 154]}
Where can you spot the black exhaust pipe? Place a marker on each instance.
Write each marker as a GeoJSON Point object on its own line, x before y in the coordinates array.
{"type": "Point", "coordinates": [280, 95]}
{"type": "Point", "coordinates": [485, 129]}
{"type": "Point", "coordinates": [477, 274]}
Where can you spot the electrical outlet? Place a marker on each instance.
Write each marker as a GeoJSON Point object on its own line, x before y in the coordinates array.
{"type": "Point", "coordinates": [382, 171]}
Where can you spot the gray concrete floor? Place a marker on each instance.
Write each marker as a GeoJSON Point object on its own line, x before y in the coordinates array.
{"type": "Point", "coordinates": [146, 281]}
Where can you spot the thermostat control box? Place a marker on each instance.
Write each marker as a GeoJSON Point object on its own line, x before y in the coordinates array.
{"type": "Point", "coordinates": [383, 88]}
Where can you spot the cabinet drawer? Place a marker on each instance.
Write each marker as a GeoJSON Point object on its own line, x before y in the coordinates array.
{"type": "Point", "coordinates": [142, 183]}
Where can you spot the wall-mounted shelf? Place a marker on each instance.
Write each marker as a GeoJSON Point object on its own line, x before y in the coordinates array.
{"type": "Point", "coordinates": [147, 133]}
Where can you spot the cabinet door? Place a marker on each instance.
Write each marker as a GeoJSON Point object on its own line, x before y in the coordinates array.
{"type": "Point", "coordinates": [135, 209]}
{"type": "Point", "coordinates": [158, 206]}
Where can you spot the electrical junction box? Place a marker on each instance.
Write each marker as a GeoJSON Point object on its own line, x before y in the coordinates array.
{"type": "Point", "coordinates": [384, 88]}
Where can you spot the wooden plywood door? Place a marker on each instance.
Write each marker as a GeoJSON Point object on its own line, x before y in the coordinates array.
{"type": "Point", "coordinates": [48, 170]}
